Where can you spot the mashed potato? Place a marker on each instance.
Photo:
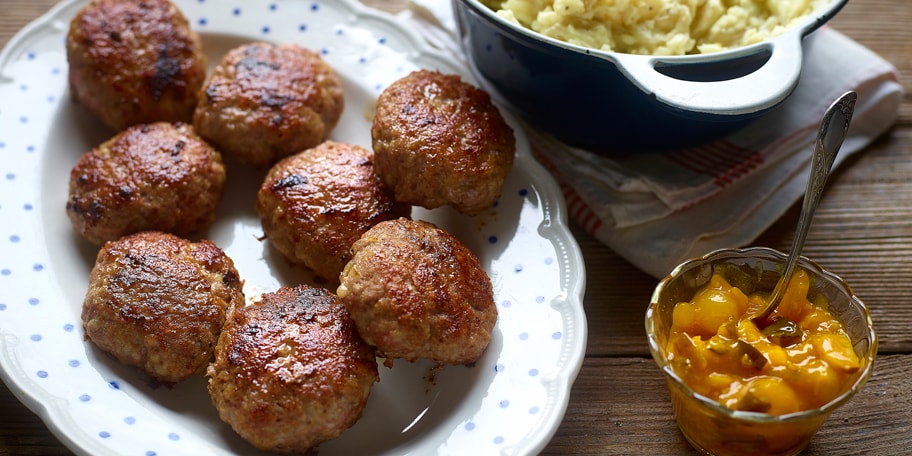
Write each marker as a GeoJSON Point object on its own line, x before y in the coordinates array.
{"type": "Point", "coordinates": [657, 27]}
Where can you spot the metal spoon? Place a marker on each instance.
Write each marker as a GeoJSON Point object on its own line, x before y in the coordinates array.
{"type": "Point", "coordinates": [830, 136]}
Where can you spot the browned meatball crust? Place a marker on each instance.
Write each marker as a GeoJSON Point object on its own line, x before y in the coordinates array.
{"type": "Point", "coordinates": [440, 141]}
{"type": "Point", "coordinates": [267, 101]}
{"type": "Point", "coordinates": [315, 204]}
{"type": "Point", "coordinates": [415, 291]}
{"type": "Point", "coordinates": [158, 302]}
{"type": "Point", "coordinates": [291, 371]}
{"type": "Point", "coordinates": [134, 61]}
{"type": "Point", "coordinates": [158, 176]}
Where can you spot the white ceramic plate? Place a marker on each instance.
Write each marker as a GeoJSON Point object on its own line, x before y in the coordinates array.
{"type": "Point", "coordinates": [510, 402]}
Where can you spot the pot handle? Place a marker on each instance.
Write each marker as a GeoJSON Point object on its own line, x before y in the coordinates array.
{"type": "Point", "coordinates": [756, 91]}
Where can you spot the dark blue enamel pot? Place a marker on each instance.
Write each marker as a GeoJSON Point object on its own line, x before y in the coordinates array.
{"type": "Point", "coordinates": [612, 102]}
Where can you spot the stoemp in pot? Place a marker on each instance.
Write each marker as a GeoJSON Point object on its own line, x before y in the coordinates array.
{"type": "Point", "coordinates": [614, 102]}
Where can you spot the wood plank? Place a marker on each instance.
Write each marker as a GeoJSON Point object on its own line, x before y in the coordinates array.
{"type": "Point", "coordinates": [631, 413]}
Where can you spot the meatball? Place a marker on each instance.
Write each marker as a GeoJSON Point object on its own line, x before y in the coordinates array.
{"type": "Point", "coordinates": [291, 371]}
{"type": "Point", "coordinates": [315, 204]}
{"type": "Point", "coordinates": [415, 291]}
{"type": "Point", "coordinates": [267, 101]}
{"type": "Point", "coordinates": [440, 141]}
{"type": "Point", "coordinates": [158, 176]}
{"type": "Point", "coordinates": [133, 62]}
{"type": "Point", "coordinates": [158, 302]}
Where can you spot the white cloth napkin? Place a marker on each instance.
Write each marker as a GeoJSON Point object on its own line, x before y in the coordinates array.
{"type": "Point", "coordinates": [656, 210]}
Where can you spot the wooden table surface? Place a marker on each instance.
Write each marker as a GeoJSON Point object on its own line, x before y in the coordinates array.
{"type": "Point", "coordinates": [619, 403]}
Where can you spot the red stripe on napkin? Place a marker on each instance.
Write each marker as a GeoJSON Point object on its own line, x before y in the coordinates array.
{"type": "Point", "coordinates": [723, 160]}
{"type": "Point", "coordinates": [579, 211]}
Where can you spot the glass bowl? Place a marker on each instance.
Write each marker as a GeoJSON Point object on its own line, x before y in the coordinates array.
{"type": "Point", "coordinates": [717, 430]}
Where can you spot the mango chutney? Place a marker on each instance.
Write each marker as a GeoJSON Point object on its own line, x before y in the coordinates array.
{"type": "Point", "coordinates": [742, 389]}
{"type": "Point", "coordinates": [801, 359]}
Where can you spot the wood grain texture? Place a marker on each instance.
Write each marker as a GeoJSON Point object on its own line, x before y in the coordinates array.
{"type": "Point", "coordinates": [620, 406]}
{"type": "Point", "coordinates": [619, 403]}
